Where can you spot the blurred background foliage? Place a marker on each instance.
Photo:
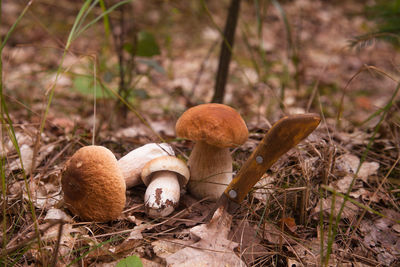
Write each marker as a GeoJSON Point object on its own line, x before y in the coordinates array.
{"type": "Point", "coordinates": [386, 15]}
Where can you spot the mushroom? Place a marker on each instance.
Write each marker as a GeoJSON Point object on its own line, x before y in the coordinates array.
{"type": "Point", "coordinates": [215, 128]}
{"type": "Point", "coordinates": [164, 177]}
{"type": "Point", "coordinates": [132, 163]}
{"type": "Point", "coordinates": [93, 185]}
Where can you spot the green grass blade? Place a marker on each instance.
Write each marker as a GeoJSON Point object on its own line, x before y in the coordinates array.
{"type": "Point", "coordinates": [321, 228]}
{"type": "Point", "coordinates": [92, 249]}
{"type": "Point", "coordinates": [358, 204]}
{"type": "Point", "coordinates": [76, 23]}
{"type": "Point", "coordinates": [7, 126]}
{"type": "Point", "coordinates": [106, 20]}
{"type": "Point", "coordinates": [363, 157]}
{"type": "Point", "coordinates": [111, 9]}
{"type": "Point", "coordinates": [85, 14]}
{"type": "Point", "coordinates": [286, 23]}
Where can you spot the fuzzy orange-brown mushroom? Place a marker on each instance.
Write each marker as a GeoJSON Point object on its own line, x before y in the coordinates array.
{"type": "Point", "coordinates": [93, 185]}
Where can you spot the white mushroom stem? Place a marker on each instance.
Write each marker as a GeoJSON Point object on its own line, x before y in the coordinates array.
{"type": "Point", "coordinates": [210, 170]}
{"type": "Point", "coordinates": [132, 163]}
{"type": "Point", "coordinates": [162, 194]}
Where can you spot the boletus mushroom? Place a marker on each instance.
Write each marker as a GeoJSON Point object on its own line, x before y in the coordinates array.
{"type": "Point", "coordinates": [93, 185]}
{"type": "Point", "coordinates": [215, 128]}
{"type": "Point", "coordinates": [164, 177]}
{"type": "Point", "coordinates": [132, 163]}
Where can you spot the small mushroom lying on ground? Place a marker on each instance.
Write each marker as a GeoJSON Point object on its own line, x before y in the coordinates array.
{"type": "Point", "coordinates": [132, 163]}
{"type": "Point", "coordinates": [215, 128]}
{"type": "Point", "coordinates": [93, 185]}
{"type": "Point", "coordinates": [164, 177]}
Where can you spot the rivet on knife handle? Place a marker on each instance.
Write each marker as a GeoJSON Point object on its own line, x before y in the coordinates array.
{"type": "Point", "coordinates": [284, 135]}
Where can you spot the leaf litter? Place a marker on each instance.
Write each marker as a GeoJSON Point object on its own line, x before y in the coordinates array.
{"type": "Point", "coordinates": [268, 227]}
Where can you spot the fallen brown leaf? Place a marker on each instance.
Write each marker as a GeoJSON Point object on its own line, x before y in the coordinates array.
{"type": "Point", "coordinates": [212, 248]}
{"type": "Point", "coordinates": [249, 241]}
{"type": "Point", "coordinates": [349, 212]}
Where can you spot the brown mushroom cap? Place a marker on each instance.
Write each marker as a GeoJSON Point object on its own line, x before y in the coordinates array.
{"type": "Point", "coordinates": [93, 185]}
{"type": "Point", "coordinates": [216, 124]}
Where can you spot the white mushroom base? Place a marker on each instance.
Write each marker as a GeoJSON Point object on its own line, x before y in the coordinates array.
{"type": "Point", "coordinates": [210, 171]}
{"type": "Point", "coordinates": [162, 194]}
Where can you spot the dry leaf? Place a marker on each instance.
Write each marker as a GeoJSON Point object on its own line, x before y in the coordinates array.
{"type": "Point", "coordinates": [26, 158]}
{"type": "Point", "coordinates": [263, 188]}
{"type": "Point", "coordinates": [309, 251]}
{"type": "Point", "coordinates": [342, 185]}
{"type": "Point", "coordinates": [57, 214]}
{"type": "Point", "coordinates": [249, 241]}
{"type": "Point", "coordinates": [273, 234]}
{"type": "Point", "coordinates": [166, 247]}
{"type": "Point", "coordinates": [349, 212]}
{"type": "Point", "coordinates": [67, 241]}
{"type": "Point", "coordinates": [290, 224]}
{"type": "Point", "coordinates": [348, 164]}
{"type": "Point", "coordinates": [355, 138]}
{"type": "Point", "coordinates": [44, 195]}
{"type": "Point", "coordinates": [381, 237]}
{"type": "Point", "coordinates": [213, 247]}
{"type": "Point", "coordinates": [396, 227]}
{"type": "Point", "coordinates": [193, 213]}
{"type": "Point", "coordinates": [368, 169]}
{"type": "Point", "coordinates": [368, 195]}
{"type": "Point", "coordinates": [8, 147]}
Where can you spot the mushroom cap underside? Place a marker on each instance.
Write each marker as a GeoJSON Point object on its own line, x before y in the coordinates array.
{"type": "Point", "coordinates": [166, 163]}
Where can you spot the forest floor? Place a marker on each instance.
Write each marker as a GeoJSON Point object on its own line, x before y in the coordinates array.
{"type": "Point", "coordinates": [292, 217]}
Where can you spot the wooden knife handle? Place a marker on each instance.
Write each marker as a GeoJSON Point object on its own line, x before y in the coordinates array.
{"type": "Point", "coordinates": [284, 135]}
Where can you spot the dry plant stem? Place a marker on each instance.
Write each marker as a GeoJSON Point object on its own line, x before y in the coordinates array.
{"type": "Point", "coordinates": [363, 157]}
{"type": "Point", "coordinates": [7, 125]}
{"type": "Point", "coordinates": [119, 42]}
{"type": "Point", "coordinates": [210, 170]}
{"type": "Point", "coordinates": [329, 164]}
{"type": "Point", "coordinates": [226, 51]}
{"type": "Point", "coordinates": [177, 216]}
{"type": "Point", "coordinates": [282, 221]}
{"type": "Point", "coordinates": [27, 238]}
{"type": "Point", "coordinates": [55, 253]}
{"type": "Point", "coordinates": [305, 194]}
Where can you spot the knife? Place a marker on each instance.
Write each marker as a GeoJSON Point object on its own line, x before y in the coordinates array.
{"type": "Point", "coordinates": [283, 135]}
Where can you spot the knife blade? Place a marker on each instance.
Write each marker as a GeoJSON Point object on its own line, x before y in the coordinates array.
{"type": "Point", "coordinates": [283, 135]}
